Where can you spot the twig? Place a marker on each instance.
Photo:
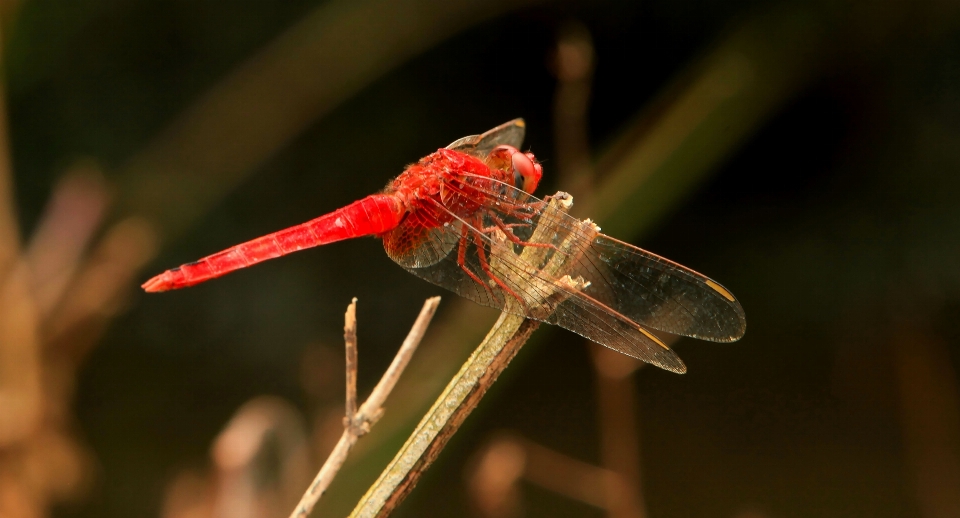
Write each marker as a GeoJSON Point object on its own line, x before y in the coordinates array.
{"type": "Point", "coordinates": [359, 423]}
{"type": "Point", "coordinates": [350, 341]}
{"type": "Point", "coordinates": [468, 386]}
{"type": "Point", "coordinates": [372, 408]}
{"type": "Point", "coordinates": [448, 412]}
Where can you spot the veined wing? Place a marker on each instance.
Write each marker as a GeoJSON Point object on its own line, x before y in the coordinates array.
{"type": "Point", "coordinates": [660, 293]}
{"type": "Point", "coordinates": [510, 133]}
{"type": "Point", "coordinates": [642, 286]}
{"type": "Point", "coordinates": [469, 268]}
{"type": "Point", "coordinates": [414, 245]}
{"type": "Point", "coordinates": [432, 253]}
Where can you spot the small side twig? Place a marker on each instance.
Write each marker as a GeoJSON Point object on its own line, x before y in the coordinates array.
{"type": "Point", "coordinates": [484, 366]}
{"type": "Point", "coordinates": [350, 341]}
{"type": "Point", "coordinates": [359, 421]}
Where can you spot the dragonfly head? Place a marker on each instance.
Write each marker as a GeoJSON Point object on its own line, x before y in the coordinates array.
{"type": "Point", "coordinates": [526, 170]}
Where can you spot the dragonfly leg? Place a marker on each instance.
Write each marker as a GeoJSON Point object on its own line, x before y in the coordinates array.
{"type": "Point", "coordinates": [498, 223]}
{"type": "Point", "coordinates": [534, 207]}
{"type": "Point", "coordinates": [486, 268]}
{"type": "Point", "coordinates": [506, 226]}
{"type": "Point", "coordinates": [462, 261]}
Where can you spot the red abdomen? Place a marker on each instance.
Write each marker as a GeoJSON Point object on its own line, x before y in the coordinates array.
{"type": "Point", "coordinates": [374, 214]}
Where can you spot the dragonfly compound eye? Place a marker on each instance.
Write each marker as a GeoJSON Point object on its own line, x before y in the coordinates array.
{"type": "Point", "coordinates": [526, 171]}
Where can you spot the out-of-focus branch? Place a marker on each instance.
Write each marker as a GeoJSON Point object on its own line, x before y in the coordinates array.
{"type": "Point", "coordinates": [358, 422]}
{"type": "Point", "coordinates": [100, 286]}
{"type": "Point", "coordinates": [38, 370]}
{"type": "Point", "coordinates": [619, 438]}
{"type": "Point", "coordinates": [619, 444]}
{"type": "Point", "coordinates": [261, 455]}
{"type": "Point", "coordinates": [40, 461]}
{"type": "Point", "coordinates": [508, 459]}
{"type": "Point", "coordinates": [573, 478]}
{"type": "Point", "coordinates": [929, 397]}
{"type": "Point", "coordinates": [573, 67]}
{"type": "Point", "coordinates": [68, 223]}
{"type": "Point", "coordinates": [20, 391]}
{"type": "Point", "coordinates": [494, 476]}
{"type": "Point", "coordinates": [37, 383]}
{"type": "Point", "coordinates": [9, 231]}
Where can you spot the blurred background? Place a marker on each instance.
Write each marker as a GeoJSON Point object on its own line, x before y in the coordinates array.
{"type": "Point", "coordinates": [804, 154]}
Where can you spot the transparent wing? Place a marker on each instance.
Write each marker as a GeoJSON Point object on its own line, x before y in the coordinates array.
{"type": "Point", "coordinates": [413, 244]}
{"type": "Point", "coordinates": [470, 267]}
{"type": "Point", "coordinates": [659, 293]}
{"type": "Point", "coordinates": [510, 133]}
{"type": "Point", "coordinates": [642, 286]}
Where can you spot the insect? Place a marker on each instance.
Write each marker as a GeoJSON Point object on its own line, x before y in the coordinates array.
{"type": "Point", "coordinates": [442, 220]}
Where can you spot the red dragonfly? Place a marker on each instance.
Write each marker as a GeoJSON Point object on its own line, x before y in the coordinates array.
{"type": "Point", "coordinates": [438, 220]}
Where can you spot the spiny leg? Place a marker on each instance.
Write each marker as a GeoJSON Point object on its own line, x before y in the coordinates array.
{"type": "Point", "coordinates": [506, 228]}
{"type": "Point", "coordinates": [478, 241]}
{"type": "Point", "coordinates": [462, 261]}
{"type": "Point", "coordinates": [520, 207]}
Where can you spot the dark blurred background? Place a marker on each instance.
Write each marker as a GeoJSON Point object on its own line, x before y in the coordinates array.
{"type": "Point", "coordinates": [804, 154]}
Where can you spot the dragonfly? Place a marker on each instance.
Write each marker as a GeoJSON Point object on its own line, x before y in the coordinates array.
{"type": "Point", "coordinates": [446, 218]}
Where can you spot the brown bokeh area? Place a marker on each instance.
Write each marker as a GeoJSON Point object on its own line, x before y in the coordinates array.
{"type": "Point", "coordinates": [804, 154]}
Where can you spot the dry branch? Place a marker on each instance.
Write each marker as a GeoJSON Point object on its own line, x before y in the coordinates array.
{"type": "Point", "coordinates": [350, 342]}
{"type": "Point", "coordinates": [484, 366]}
{"type": "Point", "coordinates": [358, 422]}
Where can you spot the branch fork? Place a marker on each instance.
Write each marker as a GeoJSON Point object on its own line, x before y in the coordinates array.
{"type": "Point", "coordinates": [358, 422]}
{"type": "Point", "coordinates": [462, 394]}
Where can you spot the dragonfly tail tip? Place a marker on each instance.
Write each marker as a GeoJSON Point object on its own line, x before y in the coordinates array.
{"type": "Point", "coordinates": [157, 284]}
